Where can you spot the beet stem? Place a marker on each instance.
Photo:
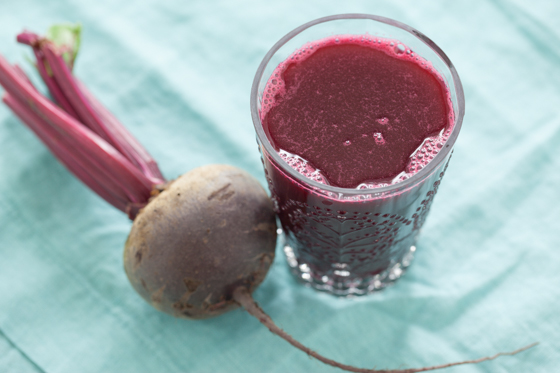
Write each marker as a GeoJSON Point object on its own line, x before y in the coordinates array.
{"type": "Point", "coordinates": [78, 100]}
{"type": "Point", "coordinates": [32, 40]}
{"type": "Point", "coordinates": [131, 148]}
{"type": "Point", "coordinates": [64, 153]}
{"type": "Point", "coordinates": [242, 296]}
{"type": "Point", "coordinates": [123, 177]}
{"type": "Point", "coordinates": [52, 85]}
{"type": "Point", "coordinates": [19, 71]}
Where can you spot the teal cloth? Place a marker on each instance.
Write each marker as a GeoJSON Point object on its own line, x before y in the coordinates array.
{"type": "Point", "coordinates": [486, 277]}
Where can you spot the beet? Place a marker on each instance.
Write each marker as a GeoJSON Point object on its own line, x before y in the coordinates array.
{"type": "Point", "coordinates": [210, 231]}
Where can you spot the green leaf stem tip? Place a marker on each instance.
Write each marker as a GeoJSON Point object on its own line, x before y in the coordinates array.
{"type": "Point", "coordinates": [66, 36]}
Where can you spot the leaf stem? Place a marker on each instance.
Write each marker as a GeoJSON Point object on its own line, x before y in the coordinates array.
{"type": "Point", "coordinates": [64, 153]}
{"type": "Point", "coordinates": [98, 157]}
{"type": "Point", "coordinates": [74, 98]}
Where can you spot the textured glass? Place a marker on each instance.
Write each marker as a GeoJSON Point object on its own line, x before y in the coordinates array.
{"type": "Point", "coordinates": [349, 241]}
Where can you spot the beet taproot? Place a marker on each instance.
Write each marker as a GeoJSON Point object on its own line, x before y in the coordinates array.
{"type": "Point", "coordinates": [207, 233]}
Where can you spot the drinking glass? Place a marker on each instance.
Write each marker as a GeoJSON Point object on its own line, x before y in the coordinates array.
{"type": "Point", "coordinates": [352, 241]}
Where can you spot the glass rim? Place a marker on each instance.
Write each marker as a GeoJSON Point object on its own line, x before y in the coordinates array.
{"type": "Point", "coordinates": [318, 187]}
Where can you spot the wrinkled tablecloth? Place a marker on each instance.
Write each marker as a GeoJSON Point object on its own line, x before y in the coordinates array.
{"type": "Point", "coordinates": [486, 277]}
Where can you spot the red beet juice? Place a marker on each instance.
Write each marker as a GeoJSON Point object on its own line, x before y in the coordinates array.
{"type": "Point", "coordinates": [360, 113]}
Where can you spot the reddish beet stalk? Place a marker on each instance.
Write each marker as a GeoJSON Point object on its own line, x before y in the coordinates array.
{"type": "Point", "coordinates": [106, 157]}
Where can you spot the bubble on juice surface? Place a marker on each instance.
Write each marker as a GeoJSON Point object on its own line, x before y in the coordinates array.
{"type": "Point", "coordinates": [302, 166]}
{"type": "Point", "coordinates": [372, 185]}
{"type": "Point", "coordinates": [383, 120]}
{"type": "Point", "coordinates": [429, 148]}
{"type": "Point", "coordinates": [423, 155]}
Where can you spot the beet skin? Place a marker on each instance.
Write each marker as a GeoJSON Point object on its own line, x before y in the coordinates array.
{"type": "Point", "coordinates": [210, 231]}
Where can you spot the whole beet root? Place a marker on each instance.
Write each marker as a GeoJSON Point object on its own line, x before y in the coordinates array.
{"type": "Point", "coordinates": [207, 233]}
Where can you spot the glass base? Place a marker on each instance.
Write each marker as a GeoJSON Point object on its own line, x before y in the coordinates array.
{"type": "Point", "coordinates": [341, 285]}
